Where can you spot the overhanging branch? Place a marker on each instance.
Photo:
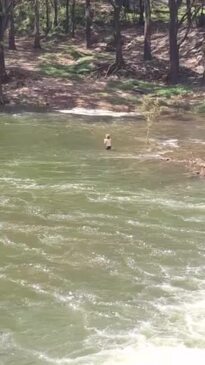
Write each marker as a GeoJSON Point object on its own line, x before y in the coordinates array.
{"type": "Point", "coordinates": [189, 27]}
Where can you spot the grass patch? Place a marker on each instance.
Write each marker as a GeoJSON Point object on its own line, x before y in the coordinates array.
{"type": "Point", "coordinates": [169, 91]}
{"type": "Point", "coordinates": [119, 100]}
{"type": "Point", "coordinates": [81, 68]}
{"type": "Point", "coordinates": [104, 57]}
{"type": "Point", "coordinates": [147, 88]}
{"type": "Point", "coordinates": [116, 99]}
{"type": "Point", "coordinates": [74, 53]}
{"type": "Point", "coordinates": [82, 63]}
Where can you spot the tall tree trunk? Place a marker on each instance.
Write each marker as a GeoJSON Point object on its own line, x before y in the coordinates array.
{"type": "Point", "coordinates": [173, 46]}
{"type": "Point", "coordinates": [67, 19]}
{"type": "Point", "coordinates": [119, 61]}
{"type": "Point", "coordinates": [203, 61]}
{"type": "Point", "coordinates": [3, 74]}
{"type": "Point", "coordinates": [2, 102]}
{"type": "Point", "coordinates": [141, 12]}
{"type": "Point", "coordinates": [147, 31]}
{"type": "Point", "coordinates": [73, 18]}
{"type": "Point", "coordinates": [55, 13]}
{"type": "Point", "coordinates": [188, 9]}
{"type": "Point", "coordinates": [37, 44]}
{"type": "Point", "coordinates": [12, 44]}
{"type": "Point", "coordinates": [47, 17]}
{"type": "Point", "coordinates": [3, 22]}
{"type": "Point", "coordinates": [88, 21]}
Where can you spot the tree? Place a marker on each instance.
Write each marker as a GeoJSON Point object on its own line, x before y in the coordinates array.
{"type": "Point", "coordinates": [37, 44]}
{"type": "Point", "coordinates": [151, 111]}
{"type": "Point", "coordinates": [67, 16]}
{"type": "Point", "coordinates": [5, 8]}
{"type": "Point", "coordinates": [73, 18]}
{"type": "Point", "coordinates": [141, 12]}
{"type": "Point", "coordinates": [47, 17]}
{"type": "Point", "coordinates": [88, 22]}
{"type": "Point", "coordinates": [1, 94]}
{"type": "Point", "coordinates": [12, 44]}
{"type": "Point", "coordinates": [203, 62]}
{"type": "Point", "coordinates": [117, 7]}
{"type": "Point", "coordinates": [174, 26]}
{"type": "Point", "coordinates": [173, 44]}
{"type": "Point", "coordinates": [188, 8]}
{"type": "Point", "coordinates": [55, 3]}
{"type": "Point", "coordinates": [147, 31]}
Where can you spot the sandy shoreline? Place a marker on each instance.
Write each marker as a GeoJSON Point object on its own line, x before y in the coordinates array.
{"type": "Point", "coordinates": [99, 112]}
{"type": "Point", "coordinates": [95, 112]}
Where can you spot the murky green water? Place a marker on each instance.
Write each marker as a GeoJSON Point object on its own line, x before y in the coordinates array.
{"type": "Point", "coordinates": [102, 253]}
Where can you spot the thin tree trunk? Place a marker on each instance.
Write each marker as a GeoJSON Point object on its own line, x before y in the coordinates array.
{"type": "Point", "coordinates": [118, 38]}
{"type": "Point", "coordinates": [2, 102]}
{"type": "Point", "coordinates": [55, 13]}
{"type": "Point", "coordinates": [73, 18]}
{"type": "Point", "coordinates": [173, 46]}
{"type": "Point", "coordinates": [3, 21]}
{"type": "Point", "coordinates": [37, 44]}
{"type": "Point", "coordinates": [67, 19]}
{"type": "Point", "coordinates": [3, 74]}
{"type": "Point", "coordinates": [203, 61]}
{"type": "Point", "coordinates": [147, 31]}
{"type": "Point", "coordinates": [141, 12]}
{"type": "Point", "coordinates": [88, 20]}
{"type": "Point", "coordinates": [12, 44]}
{"type": "Point", "coordinates": [188, 7]}
{"type": "Point", "coordinates": [47, 17]}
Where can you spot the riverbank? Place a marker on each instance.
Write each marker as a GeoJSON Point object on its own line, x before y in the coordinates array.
{"type": "Point", "coordinates": [64, 75]}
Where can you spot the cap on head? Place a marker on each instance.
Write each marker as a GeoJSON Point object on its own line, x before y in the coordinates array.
{"type": "Point", "coordinates": [107, 135]}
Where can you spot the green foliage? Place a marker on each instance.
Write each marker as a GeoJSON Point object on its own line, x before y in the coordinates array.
{"type": "Point", "coordinates": [151, 111]}
{"type": "Point", "coordinates": [24, 16]}
{"type": "Point", "coordinates": [81, 68]}
{"type": "Point", "coordinates": [169, 91]}
{"type": "Point", "coordinates": [148, 87]}
{"type": "Point", "coordinates": [74, 53]}
{"type": "Point", "coordinates": [160, 11]}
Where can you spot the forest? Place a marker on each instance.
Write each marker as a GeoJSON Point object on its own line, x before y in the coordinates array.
{"type": "Point", "coordinates": [65, 53]}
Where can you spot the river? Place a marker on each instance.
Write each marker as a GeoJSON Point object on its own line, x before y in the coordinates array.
{"type": "Point", "coordinates": [102, 252]}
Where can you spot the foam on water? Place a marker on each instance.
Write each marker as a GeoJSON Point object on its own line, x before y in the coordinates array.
{"type": "Point", "coordinates": [174, 143]}
{"type": "Point", "coordinates": [130, 355]}
{"type": "Point", "coordinates": [155, 356]}
{"type": "Point", "coordinates": [165, 228]}
{"type": "Point", "coordinates": [197, 141]}
{"type": "Point", "coordinates": [6, 341]}
{"type": "Point", "coordinates": [147, 198]}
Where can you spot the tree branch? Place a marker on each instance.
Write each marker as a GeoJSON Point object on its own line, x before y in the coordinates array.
{"type": "Point", "coordinates": [116, 3]}
{"type": "Point", "coordinates": [194, 13]}
{"type": "Point", "coordinates": [6, 8]}
{"type": "Point", "coordinates": [188, 28]}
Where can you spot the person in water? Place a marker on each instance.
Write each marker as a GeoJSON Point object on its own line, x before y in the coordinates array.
{"type": "Point", "coordinates": [108, 142]}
